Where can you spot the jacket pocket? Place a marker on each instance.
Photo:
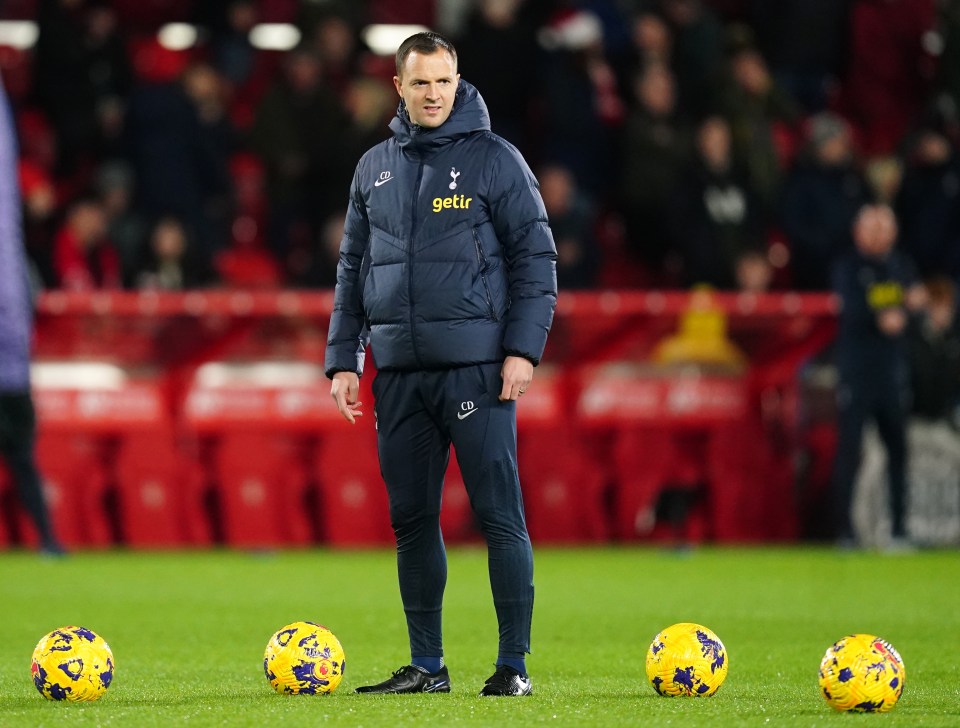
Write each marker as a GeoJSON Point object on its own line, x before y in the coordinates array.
{"type": "Point", "coordinates": [482, 261]}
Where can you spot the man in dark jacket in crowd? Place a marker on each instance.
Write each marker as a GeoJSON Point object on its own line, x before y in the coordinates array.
{"type": "Point", "coordinates": [879, 289]}
{"type": "Point", "coordinates": [448, 268]}
{"type": "Point", "coordinates": [17, 418]}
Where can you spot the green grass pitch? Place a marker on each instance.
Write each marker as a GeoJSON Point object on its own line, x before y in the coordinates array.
{"type": "Point", "coordinates": [188, 630]}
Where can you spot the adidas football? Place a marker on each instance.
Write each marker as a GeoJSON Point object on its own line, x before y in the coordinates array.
{"type": "Point", "coordinates": [686, 659]}
{"type": "Point", "coordinates": [72, 663]}
{"type": "Point", "coordinates": [303, 658]}
{"type": "Point", "coordinates": [862, 673]}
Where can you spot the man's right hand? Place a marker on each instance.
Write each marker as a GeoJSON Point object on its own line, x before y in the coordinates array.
{"type": "Point", "coordinates": [345, 389]}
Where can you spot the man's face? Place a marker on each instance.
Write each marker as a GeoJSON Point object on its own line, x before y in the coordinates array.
{"type": "Point", "coordinates": [875, 231]}
{"type": "Point", "coordinates": [428, 86]}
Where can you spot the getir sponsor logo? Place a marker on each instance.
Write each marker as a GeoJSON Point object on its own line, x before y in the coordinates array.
{"type": "Point", "coordinates": [885, 294]}
{"type": "Point", "coordinates": [457, 202]}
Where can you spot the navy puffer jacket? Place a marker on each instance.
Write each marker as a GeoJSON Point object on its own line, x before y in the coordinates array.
{"type": "Point", "coordinates": [447, 257]}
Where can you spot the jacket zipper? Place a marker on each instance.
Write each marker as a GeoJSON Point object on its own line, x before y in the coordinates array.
{"type": "Point", "coordinates": [413, 230]}
{"type": "Point", "coordinates": [482, 260]}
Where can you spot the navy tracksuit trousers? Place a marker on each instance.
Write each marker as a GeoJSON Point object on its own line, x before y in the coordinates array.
{"type": "Point", "coordinates": [419, 415]}
{"type": "Point", "coordinates": [860, 400]}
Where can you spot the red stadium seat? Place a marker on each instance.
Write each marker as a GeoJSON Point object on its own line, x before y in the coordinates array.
{"type": "Point", "coordinates": [76, 487]}
{"type": "Point", "coordinates": [563, 488]}
{"type": "Point", "coordinates": [149, 479]}
{"type": "Point", "coordinates": [202, 525]}
{"type": "Point", "coordinates": [263, 484]}
{"type": "Point", "coordinates": [353, 503]}
{"type": "Point", "coordinates": [643, 458]}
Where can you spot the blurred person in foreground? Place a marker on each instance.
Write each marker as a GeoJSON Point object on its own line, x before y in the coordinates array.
{"type": "Point", "coordinates": [447, 267]}
{"type": "Point", "coordinates": [879, 290]}
{"type": "Point", "coordinates": [17, 415]}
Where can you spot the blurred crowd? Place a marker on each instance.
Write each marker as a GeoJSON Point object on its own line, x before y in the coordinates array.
{"type": "Point", "coordinates": [677, 142]}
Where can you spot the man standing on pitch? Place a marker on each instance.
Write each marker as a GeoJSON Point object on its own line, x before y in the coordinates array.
{"type": "Point", "coordinates": [448, 268]}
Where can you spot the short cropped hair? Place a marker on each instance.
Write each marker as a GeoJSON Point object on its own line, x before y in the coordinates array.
{"type": "Point", "coordinates": [426, 43]}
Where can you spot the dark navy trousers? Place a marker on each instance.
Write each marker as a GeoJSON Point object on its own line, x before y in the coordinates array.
{"type": "Point", "coordinates": [419, 415]}
{"type": "Point", "coordinates": [858, 401]}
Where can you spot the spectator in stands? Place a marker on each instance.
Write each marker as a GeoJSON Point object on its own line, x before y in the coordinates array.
{"type": "Point", "coordinates": [948, 77]}
{"type": "Point", "coordinates": [169, 265]}
{"type": "Point", "coordinates": [206, 90]}
{"type": "Point", "coordinates": [933, 345]}
{"type": "Point", "coordinates": [697, 54]}
{"type": "Point", "coordinates": [17, 416]}
{"type": "Point", "coordinates": [715, 217]}
{"type": "Point", "coordinates": [581, 100]}
{"type": "Point", "coordinates": [571, 220]}
{"type": "Point", "coordinates": [247, 263]}
{"type": "Point", "coordinates": [879, 291]}
{"type": "Point", "coordinates": [126, 228]}
{"type": "Point", "coordinates": [759, 111]}
{"type": "Point", "coordinates": [822, 194]}
{"type": "Point", "coordinates": [656, 149]}
{"type": "Point", "coordinates": [933, 432]}
{"type": "Point", "coordinates": [39, 218]}
{"type": "Point", "coordinates": [323, 268]}
{"type": "Point", "coordinates": [753, 272]}
{"type": "Point", "coordinates": [180, 140]}
{"type": "Point", "coordinates": [652, 38]}
{"type": "Point", "coordinates": [82, 75]}
{"type": "Point", "coordinates": [883, 176]}
{"type": "Point", "coordinates": [299, 132]}
{"type": "Point", "coordinates": [232, 54]}
{"type": "Point", "coordinates": [651, 44]}
{"type": "Point", "coordinates": [928, 204]}
{"type": "Point", "coordinates": [38, 142]}
{"type": "Point", "coordinates": [370, 105]}
{"type": "Point", "coordinates": [110, 77]}
{"type": "Point", "coordinates": [335, 42]}
{"type": "Point", "coordinates": [890, 72]}
{"type": "Point", "coordinates": [83, 256]}
{"type": "Point", "coordinates": [804, 42]}
{"type": "Point", "coordinates": [498, 24]}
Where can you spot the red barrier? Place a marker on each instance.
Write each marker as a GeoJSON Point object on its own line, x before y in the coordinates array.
{"type": "Point", "coordinates": [627, 402]}
{"type": "Point", "coordinates": [134, 406]}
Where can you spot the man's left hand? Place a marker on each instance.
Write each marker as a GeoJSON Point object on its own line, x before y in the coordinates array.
{"type": "Point", "coordinates": [517, 373]}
